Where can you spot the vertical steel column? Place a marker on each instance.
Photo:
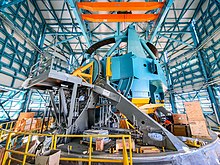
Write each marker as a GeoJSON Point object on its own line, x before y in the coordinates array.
{"type": "Point", "coordinates": [72, 106]}
{"type": "Point", "coordinates": [210, 89]}
{"type": "Point", "coordinates": [169, 83]}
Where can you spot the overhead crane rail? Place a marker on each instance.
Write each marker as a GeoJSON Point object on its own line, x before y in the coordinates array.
{"type": "Point", "coordinates": [119, 6]}
{"type": "Point", "coordinates": [123, 9]}
{"type": "Point", "coordinates": [119, 17]}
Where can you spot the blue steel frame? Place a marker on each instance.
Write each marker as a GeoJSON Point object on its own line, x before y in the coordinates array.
{"type": "Point", "coordinates": [19, 30]}
{"type": "Point", "coordinates": [181, 35]}
{"type": "Point", "coordinates": [192, 62]}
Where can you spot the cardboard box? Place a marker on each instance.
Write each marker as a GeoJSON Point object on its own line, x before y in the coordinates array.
{"type": "Point", "coordinates": [51, 157]}
{"type": "Point", "coordinates": [196, 120]}
{"type": "Point", "coordinates": [199, 129]}
{"type": "Point", "coordinates": [25, 118]}
{"type": "Point", "coordinates": [23, 115]}
{"type": "Point", "coordinates": [99, 145]}
{"type": "Point", "coordinates": [194, 111]}
{"type": "Point", "coordinates": [180, 119]}
{"type": "Point", "coordinates": [27, 127]}
{"type": "Point", "coordinates": [119, 144]}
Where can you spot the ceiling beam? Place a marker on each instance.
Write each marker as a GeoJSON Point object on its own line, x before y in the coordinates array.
{"type": "Point", "coordinates": [5, 5]}
{"type": "Point", "coordinates": [75, 10]}
{"type": "Point", "coordinates": [119, 6]}
{"type": "Point", "coordinates": [161, 18]}
{"type": "Point", "coordinates": [119, 17]}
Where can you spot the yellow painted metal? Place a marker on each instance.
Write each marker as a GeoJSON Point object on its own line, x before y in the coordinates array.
{"type": "Point", "coordinates": [93, 136]}
{"type": "Point", "coordinates": [90, 159]}
{"type": "Point", "coordinates": [150, 108]}
{"type": "Point", "coordinates": [17, 160]}
{"type": "Point", "coordinates": [125, 154]}
{"type": "Point", "coordinates": [26, 149]}
{"type": "Point", "coordinates": [6, 148]}
{"type": "Point", "coordinates": [130, 150]}
{"type": "Point", "coordinates": [5, 128]}
{"type": "Point", "coordinates": [140, 101]}
{"type": "Point", "coordinates": [21, 153]}
{"type": "Point", "coordinates": [194, 143]}
{"type": "Point", "coordinates": [55, 142]}
{"type": "Point", "coordinates": [87, 77]}
{"type": "Point", "coordinates": [25, 153]}
{"type": "Point", "coordinates": [124, 123]}
{"type": "Point", "coordinates": [9, 162]}
{"type": "Point", "coordinates": [108, 68]}
{"type": "Point", "coordinates": [54, 146]}
{"type": "Point", "coordinates": [52, 142]}
{"type": "Point", "coordinates": [90, 150]}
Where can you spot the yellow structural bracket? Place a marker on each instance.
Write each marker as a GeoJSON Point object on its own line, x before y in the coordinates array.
{"type": "Point", "coordinates": [140, 101]}
{"type": "Point", "coordinates": [80, 72]}
{"type": "Point", "coordinates": [150, 108]}
{"type": "Point", "coordinates": [108, 68]}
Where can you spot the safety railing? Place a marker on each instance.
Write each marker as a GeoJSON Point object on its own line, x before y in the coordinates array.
{"type": "Point", "coordinates": [44, 65]}
{"type": "Point", "coordinates": [5, 128]}
{"type": "Point", "coordinates": [22, 155]}
{"type": "Point", "coordinates": [26, 143]}
{"type": "Point", "coordinates": [126, 159]}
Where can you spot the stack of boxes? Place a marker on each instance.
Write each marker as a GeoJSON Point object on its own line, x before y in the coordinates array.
{"type": "Point", "coordinates": [26, 122]}
{"type": "Point", "coordinates": [192, 123]}
{"type": "Point", "coordinates": [181, 125]}
{"type": "Point", "coordinates": [197, 121]}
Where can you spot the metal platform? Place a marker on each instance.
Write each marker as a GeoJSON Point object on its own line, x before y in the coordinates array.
{"type": "Point", "coordinates": [52, 78]}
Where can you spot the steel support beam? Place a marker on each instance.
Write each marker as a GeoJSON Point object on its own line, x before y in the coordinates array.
{"type": "Point", "coordinates": [175, 40]}
{"type": "Point", "coordinates": [63, 33]}
{"type": "Point", "coordinates": [119, 17]}
{"type": "Point", "coordinates": [146, 124]}
{"type": "Point", "coordinates": [210, 89]}
{"type": "Point", "coordinates": [20, 33]}
{"type": "Point", "coordinates": [79, 20]}
{"type": "Point", "coordinates": [161, 18]}
{"type": "Point", "coordinates": [119, 6]}
{"type": "Point", "coordinates": [170, 83]}
{"type": "Point", "coordinates": [5, 5]}
{"type": "Point", "coordinates": [61, 42]}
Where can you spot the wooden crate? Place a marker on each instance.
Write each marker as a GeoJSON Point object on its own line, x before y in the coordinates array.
{"type": "Point", "coordinates": [181, 130]}
{"type": "Point", "coordinates": [119, 144]}
{"type": "Point", "coordinates": [199, 129]}
{"type": "Point", "coordinates": [180, 119]}
{"type": "Point", "coordinates": [194, 111]}
{"type": "Point", "coordinates": [149, 150]}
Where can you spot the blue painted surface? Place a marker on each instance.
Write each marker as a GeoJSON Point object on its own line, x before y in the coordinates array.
{"type": "Point", "coordinates": [136, 74]}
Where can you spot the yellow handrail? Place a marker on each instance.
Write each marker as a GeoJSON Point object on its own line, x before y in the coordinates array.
{"type": "Point", "coordinates": [126, 160]}
{"type": "Point", "coordinates": [4, 128]}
